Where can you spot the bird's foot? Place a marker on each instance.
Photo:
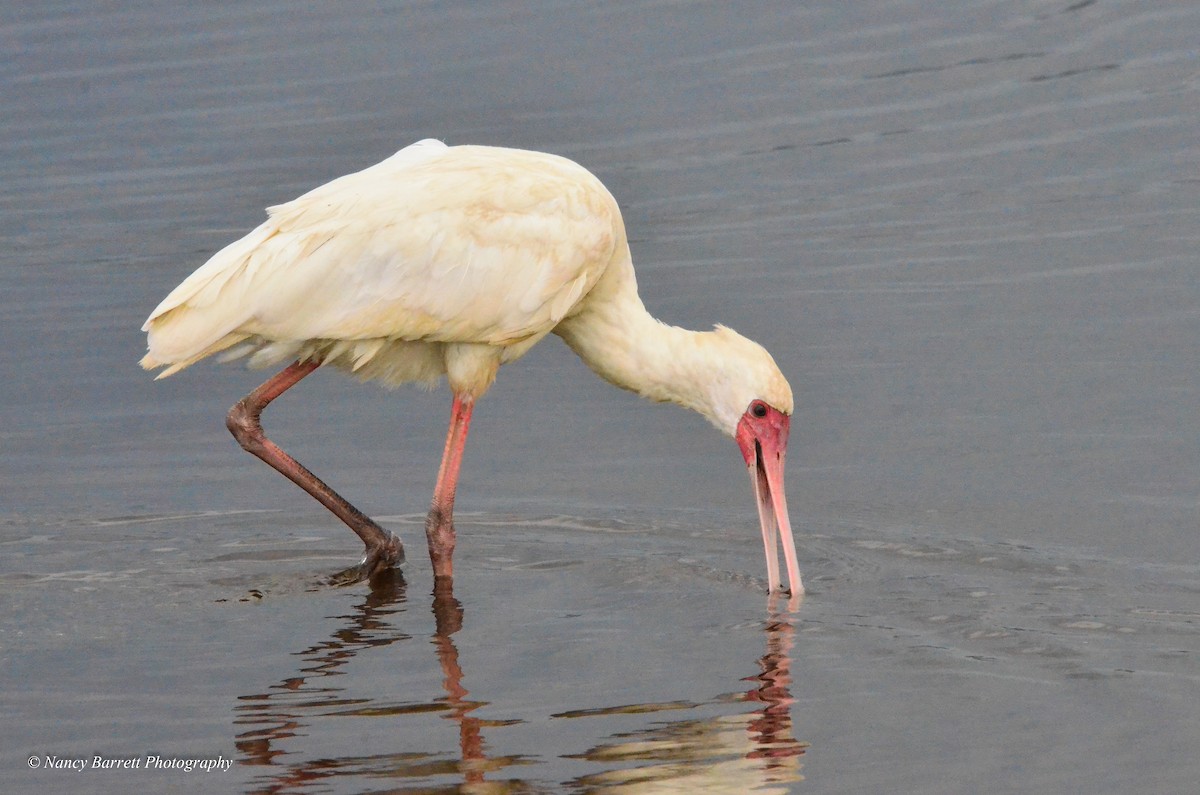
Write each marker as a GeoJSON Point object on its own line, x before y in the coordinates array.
{"type": "Point", "coordinates": [379, 561]}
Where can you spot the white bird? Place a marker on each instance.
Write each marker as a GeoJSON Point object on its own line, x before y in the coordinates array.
{"type": "Point", "coordinates": [450, 261]}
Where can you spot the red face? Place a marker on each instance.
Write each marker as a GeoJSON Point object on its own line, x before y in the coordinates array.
{"type": "Point", "coordinates": [762, 435]}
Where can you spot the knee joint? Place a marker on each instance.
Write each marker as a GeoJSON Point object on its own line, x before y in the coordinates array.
{"type": "Point", "coordinates": [243, 424]}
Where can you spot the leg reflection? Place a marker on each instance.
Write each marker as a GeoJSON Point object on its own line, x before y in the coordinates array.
{"type": "Point", "coordinates": [448, 615]}
{"type": "Point", "coordinates": [287, 709]}
{"type": "Point", "coordinates": [293, 730]}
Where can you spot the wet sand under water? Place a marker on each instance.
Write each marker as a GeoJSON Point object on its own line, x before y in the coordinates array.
{"type": "Point", "coordinates": [577, 656]}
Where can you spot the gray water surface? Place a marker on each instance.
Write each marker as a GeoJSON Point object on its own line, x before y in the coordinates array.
{"type": "Point", "coordinates": [967, 233]}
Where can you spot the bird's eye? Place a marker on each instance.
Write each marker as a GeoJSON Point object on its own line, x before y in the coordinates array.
{"type": "Point", "coordinates": [758, 408]}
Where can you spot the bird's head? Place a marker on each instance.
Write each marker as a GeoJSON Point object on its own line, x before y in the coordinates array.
{"type": "Point", "coordinates": [750, 400]}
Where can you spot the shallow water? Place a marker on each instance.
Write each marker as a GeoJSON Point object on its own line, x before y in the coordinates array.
{"type": "Point", "coordinates": [572, 659]}
{"type": "Point", "coordinates": [967, 234]}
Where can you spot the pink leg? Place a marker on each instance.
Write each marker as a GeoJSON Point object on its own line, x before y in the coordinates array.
{"type": "Point", "coordinates": [384, 550]}
{"type": "Point", "coordinates": [439, 526]}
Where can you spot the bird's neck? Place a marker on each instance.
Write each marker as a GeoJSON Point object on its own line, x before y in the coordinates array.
{"type": "Point", "coordinates": [628, 347]}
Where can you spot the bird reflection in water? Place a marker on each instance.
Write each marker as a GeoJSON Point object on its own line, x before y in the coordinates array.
{"type": "Point", "coordinates": [473, 762]}
{"type": "Point", "coordinates": [748, 752]}
{"type": "Point", "coordinates": [289, 709]}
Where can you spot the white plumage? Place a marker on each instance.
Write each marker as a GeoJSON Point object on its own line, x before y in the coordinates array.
{"type": "Point", "coordinates": [452, 261]}
{"type": "Point", "coordinates": [390, 255]}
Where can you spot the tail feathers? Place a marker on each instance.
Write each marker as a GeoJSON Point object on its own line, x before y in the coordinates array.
{"type": "Point", "coordinates": [149, 362]}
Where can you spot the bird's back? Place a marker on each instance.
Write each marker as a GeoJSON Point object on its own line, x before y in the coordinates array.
{"type": "Point", "coordinates": [434, 245]}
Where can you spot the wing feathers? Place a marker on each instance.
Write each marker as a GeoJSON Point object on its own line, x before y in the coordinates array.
{"type": "Point", "coordinates": [463, 244]}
